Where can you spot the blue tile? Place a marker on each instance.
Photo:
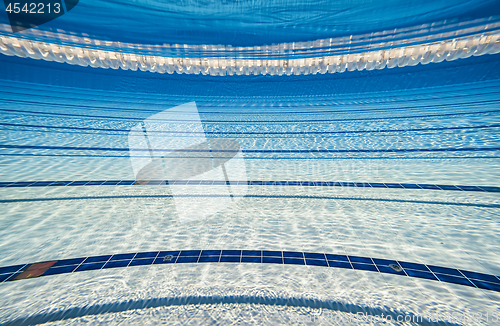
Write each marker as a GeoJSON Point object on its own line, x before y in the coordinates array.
{"type": "Point", "coordinates": [393, 185]}
{"type": "Point", "coordinates": [316, 262]}
{"type": "Point", "coordinates": [180, 182]}
{"type": "Point", "coordinates": [245, 259]}
{"type": "Point", "coordinates": [335, 184]}
{"type": "Point", "coordinates": [453, 279]}
{"type": "Point", "coordinates": [151, 254]}
{"type": "Point", "coordinates": [209, 259]}
{"type": "Point", "coordinates": [5, 277]}
{"type": "Point", "coordinates": [304, 183]}
{"type": "Point", "coordinates": [230, 259]}
{"type": "Point", "coordinates": [255, 183]}
{"type": "Point", "coordinates": [377, 185]}
{"type": "Point", "coordinates": [449, 187]}
{"type": "Point", "coordinates": [410, 186]}
{"type": "Point", "coordinates": [363, 260]}
{"type": "Point", "coordinates": [5, 184]}
{"type": "Point", "coordinates": [313, 255]}
{"type": "Point", "coordinates": [164, 259]}
{"type": "Point", "coordinates": [481, 277]}
{"type": "Point", "coordinates": [155, 182]}
{"type": "Point", "coordinates": [384, 262]}
{"type": "Point", "coordinates": [362, 184]}
{"type": "Point", "coordinates": [427, 186]}
{"type": "Point", "coordinates": [41, 183]}
{"type": "Point", "coordinates": [88, 267]}
{"type": "Point", "coordinates": [337, 257]}
{"type": "Point", "coordinates": [187, 259]}
{"type": "Point", "coordinates": [194, 182]}
{"type": "Point", "coordinates": [364, 267]}
{"type": "Point", "coordinates": [339, 264]}
{"type": "Point", "coordinates": [487, 285]}
{"type": "Point", "coordinates": [210, 253]}
{"type": "Point", "coordinates": [347, 184]}
{"type": "Point", "coordinates": [321, 184]}
{"type": "Point", "coordinates": [272, 260]}
{"type": "Point", "coordinates": [140, 262]}
{"type": "Point", "coordinates": [294, 261]}
{"type": "Point", "coordinates": [268, 183]}
{"type": "Point", "coordinates": [127, 182]}
{"type": "Point", "coordinates": [117, 263]}
{"type": "Point", "coordinates": [294, 183]}
{"type": "Point", "coordinates": [420, 274]}
{"type": "Point", "coordinates": [210, 183]}
{"type": "Point", "coordinates": [60, 270]}
{"type": "Point", "coordinates": [21, 184]}
{"type": "Point", "coordinates": [490, 189]}
{"type": "Point", "coordinates": [469, 188]}
{"type": "Point", "coordinates": [388, 270]}
{"type": "Point", "coordinates": [10, 269]}
{"type": "Point", "coordinates": [242, 183]}
{"type": "Point", "coordinates": [271, 253]}
{"type": "Point", "coordinates": [445, 270]}
{"type": "Point", "coordinates": [418, 267]}
{"type": "Point", "coordinates": [65, 262]}
{"type": "Point", "coordinates": [77, 183]}
{"type": "Point", "coordinates": [190, 253]}
{"type": "Point", "coordinates": [111, 182]}
{"type": "Point", "coordinates": [59, 183]}
{"type": "Point", "coordinates": [122, 256]}
{"type": "Point", "coordinates": [253, 253]}
{"type": "Point", "coordinates": [281, 183]}
{"type": "Point", "coordinates": [168, 253]}
{"type": "Point", "coordinates": [96, 259]}
{"type": "Point", "coordinates": [292, 254]}
{"type": "Point", "coordinates": [95, 183]}
{"type": "Point", "coordinates": [231, 252]}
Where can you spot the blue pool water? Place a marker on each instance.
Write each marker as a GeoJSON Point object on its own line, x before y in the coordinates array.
{"type": "Point", "coordinates": [214, 163]}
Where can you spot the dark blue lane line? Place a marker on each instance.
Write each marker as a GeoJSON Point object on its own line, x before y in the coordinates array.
{"type": "Point", "coordinates": [387, 266]}
{"type": "Point", "coordinates": [388, 200]}
{"type": "Point", "coordinates": [281, 158]}
{"type": "Point", "coordinates": [386, 185]}
{"type": "Point", "coordinates": [258, 133]}
{"type": "Point", "coordinates": [267, 151]}
{"type": "Point", "coordinates": [253, 121]}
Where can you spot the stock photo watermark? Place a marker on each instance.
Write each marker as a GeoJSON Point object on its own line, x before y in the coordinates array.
{"type": "Point", "coordinates": [204, 175]}
{"type": "Point", "coordinates": [26, 14]}
{"type": "Point", "coordinates": [460, 318]}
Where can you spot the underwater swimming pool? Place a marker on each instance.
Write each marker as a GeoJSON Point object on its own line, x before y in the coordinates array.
{"type": "Point", "coordinates": [307, 182]}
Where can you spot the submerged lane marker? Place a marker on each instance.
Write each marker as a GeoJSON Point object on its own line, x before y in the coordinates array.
{"type": "Point", "coordinates": [388, 266]}
{"type": "Point", "coordinates": [366, 185]}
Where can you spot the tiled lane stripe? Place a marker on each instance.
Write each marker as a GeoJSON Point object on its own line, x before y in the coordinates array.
{"type": "Point", "coordinates": [414, 186]}
{"type": "Point", "coordinates": [429, 272]}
